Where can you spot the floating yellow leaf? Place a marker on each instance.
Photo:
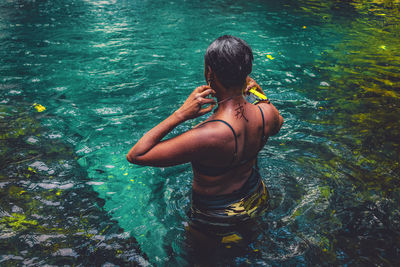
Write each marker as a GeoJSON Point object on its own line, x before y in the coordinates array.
{"type": "Point", "coordinates": [231, 238]}
{"type": "Point", "coordinates": [383, 47]}
{"type": "Point", "coordinates": [270, 57]}
{"type": "Point", "coordinates": [304, 27]}
{"type": "Point", "coordinates": [31, 169]}
{"type": "Point", "coordinates": [39, 107]}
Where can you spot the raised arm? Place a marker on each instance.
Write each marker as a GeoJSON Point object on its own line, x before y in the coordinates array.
{"type": "Point", "coordinates": [150, 150]}
{"type": "Point", "coordinates": [250, 83]}
{"type": "Point", "coordinates": [272, 113]}
{"type": "Point", "coordinates": [275, 118]}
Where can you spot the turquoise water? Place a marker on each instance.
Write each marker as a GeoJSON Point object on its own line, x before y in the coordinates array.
{"type": "Point", "coordinates": [107, 71]}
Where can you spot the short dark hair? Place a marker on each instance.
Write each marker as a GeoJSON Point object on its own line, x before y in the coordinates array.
{"type": "Point", "coordinates": [231, 59]}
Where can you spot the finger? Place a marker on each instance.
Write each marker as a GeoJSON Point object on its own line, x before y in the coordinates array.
{"type": "Point", "coordinates": [202, 88]}
{"type": "Point", "coordinates": [206, 110]}
{"type": "Point", "coordinates": [209, 101]}
{"type": "Point", "coordinates": [204, 101]}
{"type": "Point", "coordinates": [251, 85]}
{"type": "Point", "coordinates": [198, 90]}
{"type": "Point", "coordinates": [207, 92]}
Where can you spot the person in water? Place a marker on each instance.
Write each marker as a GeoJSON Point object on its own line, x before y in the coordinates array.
{"type": "Point", "coordinates": [227, 190]}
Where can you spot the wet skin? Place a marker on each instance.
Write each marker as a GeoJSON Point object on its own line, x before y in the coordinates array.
{"type": "Point", "coordinates": [211, 144]}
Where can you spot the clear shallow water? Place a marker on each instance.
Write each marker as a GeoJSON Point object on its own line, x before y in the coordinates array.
{"type": "Point", "coordinates": [107, 71]}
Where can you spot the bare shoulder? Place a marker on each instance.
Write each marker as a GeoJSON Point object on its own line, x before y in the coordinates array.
{"type": "Point", "coordinates": [213, 132]}
{"type": "Point", "coordinates": [272, 118]}
{"type": "Point", "coordinates": [216, 142]}
{"type": "Point", "coordinates": [215, 139]}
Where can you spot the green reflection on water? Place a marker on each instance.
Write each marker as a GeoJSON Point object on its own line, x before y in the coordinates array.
{"type": "Point", "coordinates": [360, 104]}
{"type": "Point", "coordinates": [362, 96]}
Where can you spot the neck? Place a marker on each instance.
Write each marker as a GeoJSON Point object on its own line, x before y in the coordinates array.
{"type": "Point", "coordinates": [228, 98]}
{"type": "Point", "coordinates": [226, 95]}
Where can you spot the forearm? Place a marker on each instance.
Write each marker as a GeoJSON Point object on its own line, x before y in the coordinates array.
{"type": "Point", "coordinates": [154, 136]}
{"type": "Point", "coordinates": [166, 153]}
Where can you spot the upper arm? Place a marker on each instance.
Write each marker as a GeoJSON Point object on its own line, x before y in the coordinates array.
{"type": "Point", "coordinates": [186, 147]}
{"type": "Point", "coordinates": [273, 118]}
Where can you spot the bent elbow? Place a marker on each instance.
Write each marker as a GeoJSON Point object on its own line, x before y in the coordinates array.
{"type": "Point", "coordinates": [135, 159]}
{"type": "Point", "coordinates": [132, 159]}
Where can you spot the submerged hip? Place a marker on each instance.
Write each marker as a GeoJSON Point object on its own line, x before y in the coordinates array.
{"type": "Point", "coordinates": [226, 217]}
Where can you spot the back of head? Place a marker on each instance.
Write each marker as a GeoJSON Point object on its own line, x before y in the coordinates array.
{"type": "Point", "coordinates": [231, 59]}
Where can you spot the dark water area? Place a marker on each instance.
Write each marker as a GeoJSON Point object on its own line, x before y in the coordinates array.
{"type": "Point", "coordinates": [81, 81]}
{"type": "Point", "coordinates": [49, 213]}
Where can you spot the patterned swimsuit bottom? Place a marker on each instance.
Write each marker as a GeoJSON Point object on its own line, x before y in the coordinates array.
{"type": "Point", "coordinates": [229, 218]}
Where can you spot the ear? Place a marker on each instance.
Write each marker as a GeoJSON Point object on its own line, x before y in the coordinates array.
{"type": "Point", "coordinates": [210, 73]}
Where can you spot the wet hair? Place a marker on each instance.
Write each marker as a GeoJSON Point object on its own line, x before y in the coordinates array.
{"type": "Point", "coordinates": [231, 59]}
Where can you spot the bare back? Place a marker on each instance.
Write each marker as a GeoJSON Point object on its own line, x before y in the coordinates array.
{"type": "Point", "coordinates": [251, 125]}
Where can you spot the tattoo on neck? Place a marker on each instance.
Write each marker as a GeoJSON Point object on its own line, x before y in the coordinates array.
{"type": "Point", "coordinates": [240, 112]}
